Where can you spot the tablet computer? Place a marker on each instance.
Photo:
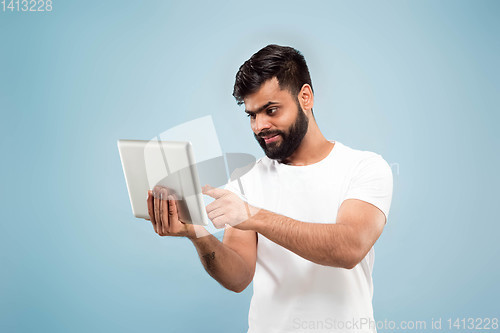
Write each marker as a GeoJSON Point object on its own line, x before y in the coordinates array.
{"type": "Point", "coordinates": [166, 163]}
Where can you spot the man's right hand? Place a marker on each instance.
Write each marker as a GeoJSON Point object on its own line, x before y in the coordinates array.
{"type": "Point", "coordinates": [231, 263]}
{"type": "Point", "coordinates": [163, 213]}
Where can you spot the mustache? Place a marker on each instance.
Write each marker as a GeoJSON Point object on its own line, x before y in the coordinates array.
{"type": "Point", "coordinates": [269, 133]}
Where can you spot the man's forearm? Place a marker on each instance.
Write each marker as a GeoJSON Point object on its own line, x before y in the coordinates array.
{"type": "Point", "coordinates": [325, 244]}
{"type": "Point", "coordinates": [222, 263]}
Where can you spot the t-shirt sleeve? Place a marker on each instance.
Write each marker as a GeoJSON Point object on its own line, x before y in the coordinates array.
{"type": "Point", "coordinates": [236, 186]}
{"type": "Point", "coordinates": [372, 182]}
{"type": "Point", "coordinates": [233, 187]}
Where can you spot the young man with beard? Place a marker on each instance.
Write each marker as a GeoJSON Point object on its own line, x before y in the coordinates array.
{"type": "Point", "coordinates": [301, 224]}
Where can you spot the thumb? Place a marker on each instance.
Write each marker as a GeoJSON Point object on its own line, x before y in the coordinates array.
{"type": "Point", "coordinates": [213, 192]}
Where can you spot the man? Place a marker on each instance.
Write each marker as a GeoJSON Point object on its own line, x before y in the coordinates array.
{"type": "Point", "coordinates": [313, 210]}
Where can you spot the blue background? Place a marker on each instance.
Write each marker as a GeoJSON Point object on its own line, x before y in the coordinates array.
{"type": "Point", "coordinates": [416, 81]}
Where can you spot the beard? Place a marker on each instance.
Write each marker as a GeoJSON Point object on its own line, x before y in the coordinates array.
{"type": "Point", "coordinates": [290, 141]}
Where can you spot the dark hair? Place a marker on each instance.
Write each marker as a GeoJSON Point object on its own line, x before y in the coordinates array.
{"type": "Point", "coordinates": [285, 63]}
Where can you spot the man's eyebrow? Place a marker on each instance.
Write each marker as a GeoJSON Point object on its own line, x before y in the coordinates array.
{"type": "Point", "coordinates": [263, 107]}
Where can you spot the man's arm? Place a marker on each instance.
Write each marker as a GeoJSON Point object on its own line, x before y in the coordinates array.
{"type": "Point", "coordinates": [231, 263]}
{"type": "Point", "coordinates": [343, 244]}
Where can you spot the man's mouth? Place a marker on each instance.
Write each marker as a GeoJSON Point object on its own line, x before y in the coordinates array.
{"type": "Point", "coordinates": [271, 138]}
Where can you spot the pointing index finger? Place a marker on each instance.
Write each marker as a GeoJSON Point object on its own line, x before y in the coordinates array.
{"type": "Point", "coordinates": [213, 192]}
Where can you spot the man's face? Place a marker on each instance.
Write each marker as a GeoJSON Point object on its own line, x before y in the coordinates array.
{"type": "Point", "coordinates": [278, 122]}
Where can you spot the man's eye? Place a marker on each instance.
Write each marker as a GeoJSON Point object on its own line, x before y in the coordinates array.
{"type": "Point", "coordinates": [272, 110]}
{"type": "Point", "coordinates": [251, 115]}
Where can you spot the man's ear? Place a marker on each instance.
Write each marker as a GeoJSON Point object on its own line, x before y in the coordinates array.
{"type": "Point", "coordinates": [306, 97]}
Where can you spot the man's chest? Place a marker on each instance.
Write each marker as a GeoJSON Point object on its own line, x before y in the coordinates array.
{"type": "Point", "coordinates": [304, 196]}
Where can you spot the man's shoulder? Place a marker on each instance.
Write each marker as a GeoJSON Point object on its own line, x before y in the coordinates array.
{"type": "Point", "coordinates": [353, 155]}
{"type": "Point", "coordinates": [251, 169]}
{"type": "Point", "coordinates": [246, 176]}
{"type": "Point", "coordinates": [361, 163]}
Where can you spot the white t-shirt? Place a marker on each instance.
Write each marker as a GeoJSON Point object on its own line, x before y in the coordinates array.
{"type": "Point", "coordinates": [292, 294]}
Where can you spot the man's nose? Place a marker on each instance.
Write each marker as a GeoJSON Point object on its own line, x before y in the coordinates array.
{"type": "Point", "coordinates": [261, 123]}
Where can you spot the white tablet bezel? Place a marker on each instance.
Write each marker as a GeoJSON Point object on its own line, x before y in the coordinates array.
{"type": "Point", "coordinates": [135, 169]}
